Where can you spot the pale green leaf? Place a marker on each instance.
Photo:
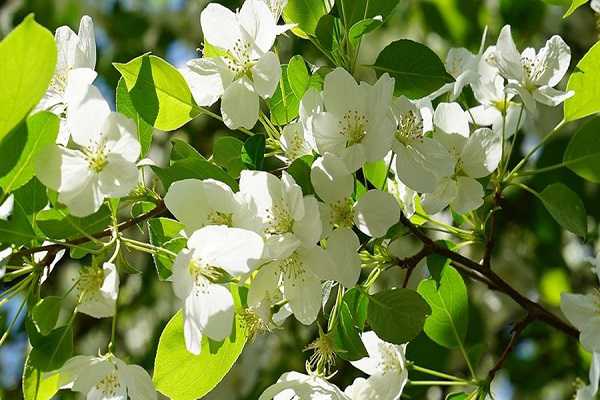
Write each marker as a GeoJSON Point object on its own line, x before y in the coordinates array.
{"type": "Point", "coordinates": [305, 14]}
{"type": "Point", "coordinates": [575, 4]}
{"type": "Point", "coordinates": [37, 385]}
{"type": "Point", "coordinates": [582, 155]}
{"type": "Point", "coordinates": [585, 82]}
{"type": "Point", "coordinates": [566, 208]}
{"type": "Point", "coordinates": [125, 106]}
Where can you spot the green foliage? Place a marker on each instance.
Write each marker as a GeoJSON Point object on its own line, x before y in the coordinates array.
{"type": "Point", "coordinates": [376, 173]}
{"type": "Point", "coordinates": [158, 92]}
{"type": "Point", "coordinates": [397, 315]}
{"type": "Point", "coordinates": [285, 102]}
{"type": "Point", "coordinates": [28, 201]}
{"type": "Point", "coordinates": [418, 71]}
{"type": "Point", "coordinates": [181, 375]}
{"type": "Point", "coordinates": [575, 4]}
{"type": "Point", "coordinates": [37, 385]}
{"type": "Point", "coordinates": [582, 155]}
{"type": "Point", "coordinates": [299, 169]}
{"type": "Point", "coordinates": [253, 152]}
{"type": "Point", "coordinates": [28, 55]}
{"type": "Point", "coordinates": [348, 323]}
{"type": "Point", "coordinates": [585, 82]}
{"type": "Point", "coordinates": [50, 352]}
{"type": "Point", "coordinates": [165, 232]}
{"type": "Point", "coordinates": [21, 147]}
{"type": "Point", "coordinates": [354, 11]}
{"type": "Point", "coordinates": [449, 319]}
{"type": "Point", "coordinates": [227, 153]}
{"type": "Point", "coordinates": [566, 208]}
{"type": "Point", "coordinates": [125, 106]}
{"type": "Point", "coordinates": [305, 14]}
{"type": "Point", "coordinates": [362, 27]}
{"type": "Point", "coordinates": [45, 314]}
{"type": "Point", "coordinates": [56, 223]}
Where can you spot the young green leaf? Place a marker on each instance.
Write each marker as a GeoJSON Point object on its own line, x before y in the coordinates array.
{"type": "Point", "coordinates": [298, 76]}
{"type": "Point", "coordinates": [165, 232]}
{"type": "Point", "coordinates": [227, 152]}
{"type": "Point", "coordinates": [125, 106]}
{"type": "Point", "coordinates": [346, 335]}
{"type": "Point", "coordinates": [417, 70]}
{"type": "Point", "coordinates": [158, 92]}
{"type": "Point", "coordinates": [354, 11]}
{"type": "Point", "coordinates": [299, 169]}
{"type": "Point", "coordinates": [284, 104]}
{"type": "Point", "coordinates": [50, 352]}
{"type": "Point", "coordinates": [56, 223]}
{"type": "Point", "coordinates": [253, 152]}
{"type": "Point", "coordinates": [566, 208]}
{"type": "Point", "coordinates": [376, 173]}
{"type": "Point", "coordinates": [362, 27]}
{"type": "Point", "coordinates": [182, 150]}
{"type": "Point", "coordinates": [397, 315]}
{"type": "Point", "coordinates": [193, 168]}
{"type": "Point", "coordinates": [575, 4]}
{"type": "Point", "coordinates": [181, 375]}
{"type": "Point", "coordinates": [45, 314]}
{"type": "Point", "coordinates": [447, 325]}
{"type": "Point", "coordinates": [37, 385]}
{"type": "Point", "coordinates": [305, 14]}
{"type": "Point", "coordinates": [582, 155]}
{"type": "Point", "coordinates": [585, 82]}
{"type": "Point", "coordinates": [28, 55]}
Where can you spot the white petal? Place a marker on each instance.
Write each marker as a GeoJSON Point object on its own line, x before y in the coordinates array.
{"type": "Point", "coordinates": [87, 43]}
{"type": "Point", "coordinates": [481, 155]}
{"type": "Point", "coordinates": [551, 97]}
{"type": "Point", "coordinates": [207, 79]}
{"type": "Point", "coordinates": [192, 335]}
{"type": "Point", "coordinates": [435, 202]}
{"type": "Point", "coordinates": [265, 285]}
{"type": "Point", "coordinates": [340, 91]}
{"type": "Point", "coordinates": [302, 289]}
{"type": "Point", "coordinates": [86, 119]}
{"type": "Point", "coordinates": [61, 169]}
{"type": "Point", "coordinates": [78, 81]}
{"type": "Point", "coordinates": [182, 279]}
{"type": "Point", "coordinates": [118, 178]}
{"type": "Point", "coordinates": [120, 137]}
{"type": "Point", "coordinates": [110, 286]}
{"type": "Point", "coordinates": [138, 382]}
{"type": "Point", "coordinates": [93, 374]}
{"type": "Point", "coordinates": [484, 115]}
{"type": "Point", "coordinates": [331, 179]}
{"type": "Point", "coordinates": [85, 200]}
{"type": "Point", "coordinates": [578, 308]}
{"type": "Point", "coordinates": [469, 195]}
{"type": "Point", "coordinates": [507, 57]}
{"type": "Point", "coordinates": [450, 118]}
{"type": "Point", "coordinates": [266, 74]}
{"type": "Point", "coordinates": [220, 26]}
{"type": "Point", "coordinates": [258, 25]}
{"type": "Point", "coordinates": [239, 105]}
{"type": "Point", "coordinates": [325, 128]}
{"type": "Point", "coordinates": [354, 156]}
{"type": "Point", "coordinates": [309, 228]}
{"type": "Point", "coordinates": [71, 370]}
{"type": "Point", "coordinates": [552, 62]}
{"type": "Point", "coordinates": [376, 212]}
{"type": "Point", "coordinates": [294, 385]}
{"type": "Point", "coordinates": [590, 335]}
{"type": "Point", "coordinates": [66, 46]}
{"type": "Point", "coordinates": [342, 247]}
{"type": "Point", "coordinates": [211, 308]}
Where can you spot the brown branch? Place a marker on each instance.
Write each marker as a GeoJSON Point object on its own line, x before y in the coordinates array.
{"type": "Point", "coordinates": [54, 248]}
{"type": "Point", "coordinates": [491, 237]}
{"type": "Point", "coordinates": [515, 333]}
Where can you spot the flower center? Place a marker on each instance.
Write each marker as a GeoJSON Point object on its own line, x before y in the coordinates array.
{"type": "Point", "coordinates": [279, 221]}
{"type": "Point", "coordinates": [238, 59]}
{"type": "Point", "coordinates": [255, 325]}
{"type": "Point", "coordinates": [58, 83]}
{"type": "Point", "coordinates": [410, 127]}
{"type": "Point", "coordinates": [502, 105]}
{"type": "Point", "coordinates": [353, 126]}
{"type": "Point", "coordinates": [296, 147]}
{"type": "Point", "coordinates": [90, 282]}
{"type": "Point", "coordinates": [390, 362]}
{"type": "Point", "coordinates": [109, 385]}
{"type": "Point", "coordinates": [323, 358]}
{"type": "Point", "coordinates": [220, 218]}
{"type": "Point", "coordinates": [293, 267]}
{"type": "Point", "coordinates": [530, 72]}
{"type": "Point", "coordinates": [96, 157]}
{"type": "Point", "coordinates": [342, 213]}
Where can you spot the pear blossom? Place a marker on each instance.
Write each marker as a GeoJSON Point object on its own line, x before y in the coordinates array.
{"type": "Point", "coordinates": [356, 122]}
{"type": "Point", "coordinates": [212, 252]}
{"type": "Point", "coordinates": [293, 141]}
{"type": "Point", "coordinates": [404, 195]}
{"type": "Point", "coordinates": [276, 7]}
{"type": "Point", "coordinates": [420, 160]}
{"type": "Point", "coordinates": [589, 392]}
{"type": "Point", "coordinates": [595, 4]}
{"type": "Point", "coordinates": [374, 213]}
{"type": "Point", "coordinates": [75, 64]}
{"type": "Point", "coordinates": [102, 164]}
{"type": "Point", "coordinates": [533, 75]}
{"type": "Point", "coordinates": [105, 378]}
{"type": "Point", "coordinates": [98, 290]}
{"type": "Point", "coordinates": [244, 69]}
{"type": "Point", "coordinates": [214, 203]}
{"type": "Point", "coordinates": [287, 218]}
{"type": "Point", "coordinates": [294, 385]}
{"type": "Point", "coordinates": [386, 367]}
{"type": "Point", "coordinates": [475, 155]}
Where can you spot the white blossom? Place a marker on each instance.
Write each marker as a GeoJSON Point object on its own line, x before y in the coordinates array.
{"type": "Point", "coordinates": [294, 385]}
{"type": "Point", "coordinates": [212, 251]}
{"type": "Point", "coordinates": [244, 70]}
{"type": "Point", "coordinates": [589, 392]}
{"type": "Point", "coordinates": [533, 75]}
{"type": "Point", "coordinates": [106, 378]}
{"type": "Point", "coordinates": [102, 164]}
{"type": "Point", "coordinates": [98, 290]}
{"type": "Point", "coordinates": [356, 123]}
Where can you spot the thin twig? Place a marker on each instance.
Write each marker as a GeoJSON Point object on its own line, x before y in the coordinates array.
{"type": "Point", "coordinates": [515, 333]}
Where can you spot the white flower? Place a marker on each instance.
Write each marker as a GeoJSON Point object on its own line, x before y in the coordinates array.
{"type": "Point", "coordinates": [595, 4]}
{"type": "Point", "coordinates": [106, 378]}
{"type": "Point", "coordinates": [533, 75]}
{"type": "Point", "coordinates": [98, 290]}
{"type": "Point", "coordinates": [590, 391]}
{"type": "Point", "coordinates": [245, 71]}
{"type": "Point", "coordinates": [4, 257]}
{"type": "Point", "coordinates": [357, 124]}
{"type": "Point", "coordinates": [294, 385]}
{"type": "Point", "coordinates": [103, 165]}
{"type": "Point", "coordinates": [208, 307]}
{"type": "Point", "coordinates": [293, 141]}
{"type": "Point", "coordinates": [420, 160]}
{"type": "Point", "coordinates": [74, 71]}
{"type": "Point", "coordinates": [214, 203]}
{"type": "Point", "coordinates": [475, 155]}
{"type": "Point", "coordinates": [276, 7]}
{"type": "Point", "coordinates": [374, 213]}
{"type": "Point", "coordinates": [287, 218]}
{"type": "Point", "coordinates": [404, 195]}
{"type": "Point", "coordinates": [386, 367]}
{"type": "Point", "coordinates": [495, 101]}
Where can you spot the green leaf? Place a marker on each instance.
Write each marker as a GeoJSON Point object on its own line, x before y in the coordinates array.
{"type": "Point", "coordinates": [447, 325]}
{"type": "Point", "coordinates": [354, 11]}
{"type": "Point", "coordinates": [397, 315]}
{"type": "Point", "coordinates": [181, 375]}
{"type": "Point", "coordinates": [566, 208]}
{"type": "Point", "coordinates": [182, 150]}
{"type": "Point", "coordinates": [21, 147]}
{"type": "Point", "coordinates": [346, 335]}
{"type": "Point", "coordinates": [575, 4]}
{"type": "Point", "coordinates": [362, 27]}
{"type": "Point", "coordinates": [28, 201]}
{"type": "Point", "coordinates": [227, 152]}
{"type": "Point", "coordinates": [358, 302]}
{"type": "Point", "coordinates": [158, 92]}
{"type": "Point", "coordinates": [45, 314]}
{"type": "Point", "coordinates": [125, 106]}
{"type": "Point", "coordinates": [253, 152]}
{"type": "Point", "coordinates": [58, 224]}
{"type": "Point", "coordinates": [417, 70]}
{"type": "Point", "coordinates": [193, 168]}
{"type": "Point", "coordinates": [299, 169]}
{"type": "Point", "coordinates": [305, 14]}
{"type": "Point", "coordinates": [165, 232]}
{"type": "Point", "coordinates": [52, 351]}
{"type": "Point", "coordinates": [582, 155]}
{"type": "Point", "coordinates": [376, 173]}
{"type": "Point", "coordinates": [37, 386]}
{"type": "Point", "coordinates": [585, 82]}
{"type": "Point", "coordinates": [284, 104]}
{"type": "Point", "coordinates": [328, 35]}
{"type": "Point", "coordinates": [298, 76]}
{"type": "Point", "coordinates": [28, 55]}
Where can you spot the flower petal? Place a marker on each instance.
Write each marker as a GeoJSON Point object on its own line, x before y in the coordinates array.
{"type": "Point", "coordinates": [207, 78]}
{"type": "Point", "coordinates": [376, 212]}
{"type": "Point", "coordinates": [331, 179]}
{"type": "Point", "coordinates": [266, 74]}
{"type": "Point", "coordinates": [239, 105]}
{"type": "Point", "coordinates": [220, 26]}
{"type": "Point", "coordinates": [211, 309]}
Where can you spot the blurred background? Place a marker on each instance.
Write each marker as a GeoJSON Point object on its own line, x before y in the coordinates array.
{"type": "Point", "coordinates": [533, 253]}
